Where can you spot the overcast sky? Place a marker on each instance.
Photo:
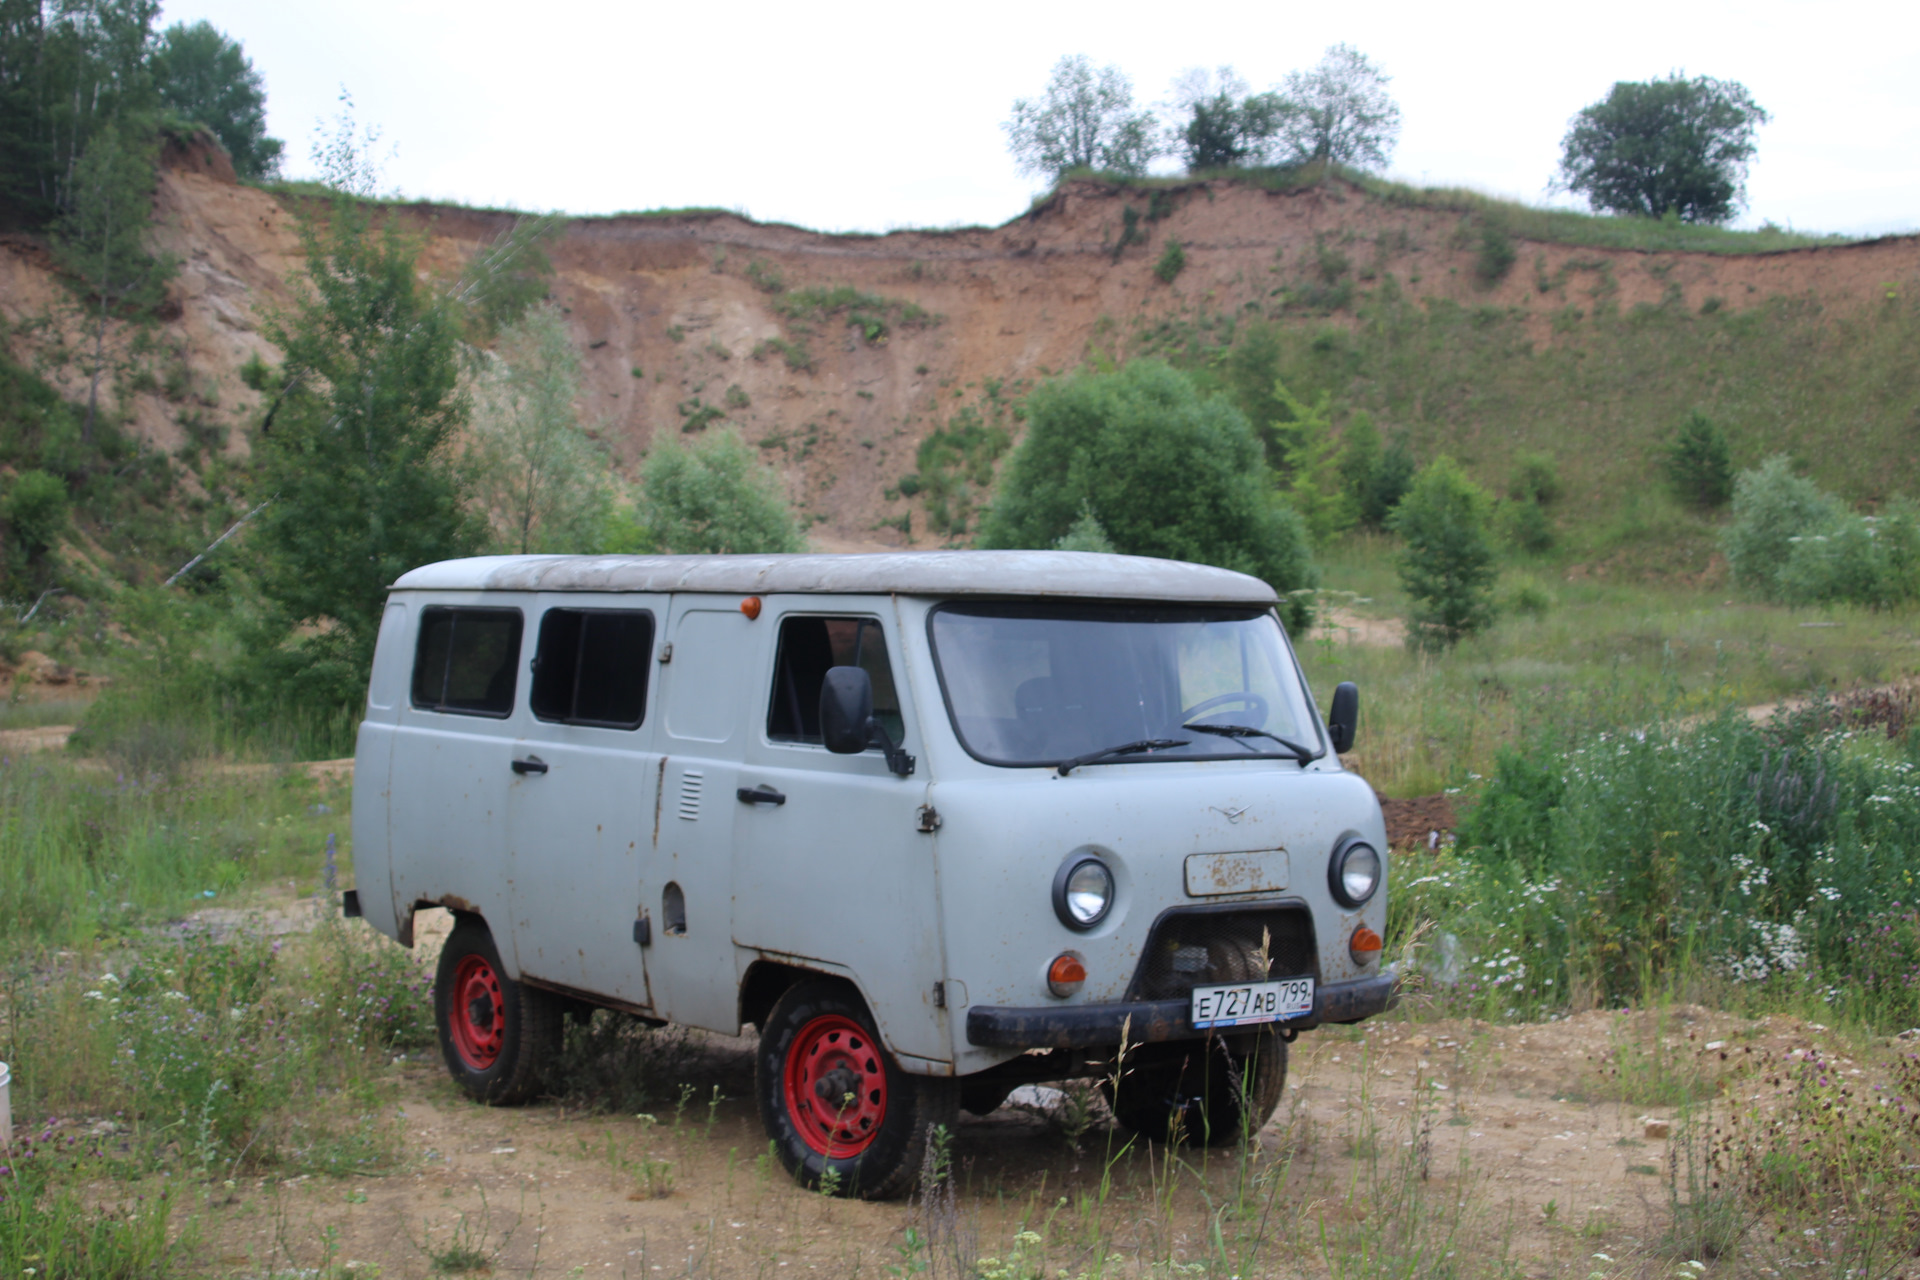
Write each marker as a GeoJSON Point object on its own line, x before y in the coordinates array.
{"type": "Point", "coordinates": [876, 116]}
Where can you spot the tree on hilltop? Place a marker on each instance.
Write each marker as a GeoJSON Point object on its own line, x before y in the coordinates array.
{"type": "Point", "coordinates": [1339, 112]}
{"type": "Point", "coordinates": [1085, 120]}
{"type": "Point", "coordinates": [1219, 123]}
{"type": "Point", "coordinates": [1673, 146]}
{"type": "Point", "coordinates": [205, 77]}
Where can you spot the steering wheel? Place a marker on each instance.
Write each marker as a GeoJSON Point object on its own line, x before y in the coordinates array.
{"type": "Point", "coordinates": [1253, 701]}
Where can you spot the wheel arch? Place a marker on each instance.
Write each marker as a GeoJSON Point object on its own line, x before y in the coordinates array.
{"type": "Point", "coordinates": [766, 980]}
{"type": "Point", "coordinates": [465, 912]}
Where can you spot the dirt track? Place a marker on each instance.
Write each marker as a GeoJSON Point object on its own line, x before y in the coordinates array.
{"type": "Point", "coordinates": [1517, 1124]}
{"type": "Point", "coordinates": [1558, 1177]}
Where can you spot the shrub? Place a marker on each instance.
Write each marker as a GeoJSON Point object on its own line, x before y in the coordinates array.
{"type": "Point", "coordinates": [1771, 508]}
{"type": "Point", "coordinates": [1858, 560]}
{"type": "Point", "coordinates": [1528, 526]}
{"type": "Point", "coordinates": [1166, 471]}
{"type": "Point", "coordinates": [1529, 600]}
{"type": "Point", "coordinates": [1391, 478]}
{"type": "Point", "coordinates": [367, 993]}
{"type": "Point", "coordinates": [1762, 855]}
{"type": "Point", "coordinates": [956, 464]}
{"type": "Point", "coordinates": [1086, 535]}
{"type": "Point", "coordinates": [1447, 567]}
{"type": "Point", "coordinates": [1173, 260]}
{"type": "Point", "coordinates": [1534, 478]}
{"type": "Point", "coordinates": [714, 496]}
{"type": "Point", "coordinates": [1790, 541]}
{"type": "Point", "coordinates": [1699, 465]}
{"type": "Point", "coordinates": [36, 511]}
{"type": "Point", "coordinates": [1496, 255]}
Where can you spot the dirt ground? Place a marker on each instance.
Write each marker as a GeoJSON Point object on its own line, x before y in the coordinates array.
{"type": "Point", "coordinates": [1521, 1125]}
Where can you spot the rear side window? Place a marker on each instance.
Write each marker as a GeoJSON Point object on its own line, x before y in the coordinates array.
{"type": "Point", "coordinates": [808, 646]}
{"type": "Point", "coordinates": [467, 661]}
{"type": "Point", "coordinates": [591, 667]}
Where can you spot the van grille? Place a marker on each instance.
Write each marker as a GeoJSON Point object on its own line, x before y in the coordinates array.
{"type": "Point", "coordinates": [1199, 948]}
{"type": "Point", "coordinates": [690, 784]}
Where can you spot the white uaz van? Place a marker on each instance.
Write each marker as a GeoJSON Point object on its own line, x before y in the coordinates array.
{"type": "Point", "coordinates": [937, 823]}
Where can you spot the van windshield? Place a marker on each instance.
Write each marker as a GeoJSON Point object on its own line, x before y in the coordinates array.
{"type": "Point", "coordinates": [1039, 684]}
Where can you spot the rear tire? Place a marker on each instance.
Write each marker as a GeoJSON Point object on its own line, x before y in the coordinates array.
{"type": "Point", "coordinates": [833, 1100]}
{"type": "Point", "coordinates": [1207, 1093]}
{"type": "Point", "coordinates": [497, 1036]}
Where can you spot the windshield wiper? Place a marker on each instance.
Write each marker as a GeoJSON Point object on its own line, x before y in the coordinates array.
{"type": "Point", "coordinates": [1239, 732]}
{"type": "Point", "coordinates": [1124, 749]}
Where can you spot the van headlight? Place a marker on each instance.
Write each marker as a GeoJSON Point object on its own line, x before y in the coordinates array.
{"type": "Point", "coordinates": [1082, 891]}
{"type": "Point", "coordinates": [1354, 873]}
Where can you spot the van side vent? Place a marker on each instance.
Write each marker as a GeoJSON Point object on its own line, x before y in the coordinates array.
{"type": "Point", "coordinates": [690, 783]}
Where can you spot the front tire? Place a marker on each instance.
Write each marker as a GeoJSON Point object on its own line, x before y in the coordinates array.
{"type": "Point", "coordinates": [1206, 1093]}
{"type": "Point", "coordinates": [834, 1102]}
{"type": "Point", "coordinates": [497, 1036]}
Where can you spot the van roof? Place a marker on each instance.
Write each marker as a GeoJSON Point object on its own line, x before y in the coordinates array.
{"type": "Point", "coordinates": [1078, 574]}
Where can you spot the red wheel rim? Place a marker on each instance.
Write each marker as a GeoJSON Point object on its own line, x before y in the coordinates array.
{"type": "Point", "coordinates": [477, 1016]}
{"type": "Point", "coordinates": [836, 1086]}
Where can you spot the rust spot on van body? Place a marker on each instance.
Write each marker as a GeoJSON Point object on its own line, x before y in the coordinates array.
{"type": "Point", "coordinates": [454, 902]}
{"type": "Point", "coordinates": [659, 794]}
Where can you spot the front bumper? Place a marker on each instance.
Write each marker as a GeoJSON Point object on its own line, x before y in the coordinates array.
{"type": "Point", "coordinates": [1145, 1021]}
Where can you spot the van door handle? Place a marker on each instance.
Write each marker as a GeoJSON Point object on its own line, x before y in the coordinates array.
{"type": "Point", "coordinates": [762, 794]}
{"type": "Point", "coordinates": [532, 764]}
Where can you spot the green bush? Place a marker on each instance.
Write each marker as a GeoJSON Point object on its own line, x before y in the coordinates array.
{"type": "Point", "coordinates": [1790, 541]}
{"type": "Point", "coordinates": [36, 510]}
{"type": "Point", "coordinates": [1447, 567]}
{"type": "Point", "coordinates": [714, 496]}
{"type": "Point", "coordinates": [1388, 483]}
{"type": "Point", "coordinates": [1173, 260]}
{"type": "Point", "coordinates": [956, 463]}
{"type": "Point", "coordinates": [1496, 254]}
{"type": "Point", "coordinates": [1529, 600]}
{"type": "Point", "coordinates": [1528, 527]}
{"type": "Point", "coordinates": [1751, 855]}
{"type": "Point", "coordinates": [1165, 470]}
{"type": "Point", "coordinates": [1874, 561]}
{"type": "Point", "coordinates": [1772, 507]}
{"type": "Point", "coordinates": [1086, 535]}
{"type": "Point", "coordinates": [1700, 465]}
{"type": "Point", "coordinates": [1534, 478]}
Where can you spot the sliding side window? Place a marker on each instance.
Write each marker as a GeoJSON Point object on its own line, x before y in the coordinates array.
{"type": "Point", "coordinates": [808, 647]}
{"type": "Point", "coordinates": [467, 661]}
{"type": "Point", "coordinates": [591, 667]}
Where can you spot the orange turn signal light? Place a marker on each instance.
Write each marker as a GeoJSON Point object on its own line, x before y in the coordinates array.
{"type": "Point", "coordinates": [1366, 945]}
{"type": "Point", "coordinates": [751, 607]}
{"type": "Point", "coordinates": [1066, 974]}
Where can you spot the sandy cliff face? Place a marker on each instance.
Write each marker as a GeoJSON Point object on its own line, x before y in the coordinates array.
{"type": "Point", "coordinates": [675, 319]}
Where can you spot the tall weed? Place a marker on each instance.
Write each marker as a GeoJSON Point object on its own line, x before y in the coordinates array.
{"type": "Point", "coordinates": [1775, 854]}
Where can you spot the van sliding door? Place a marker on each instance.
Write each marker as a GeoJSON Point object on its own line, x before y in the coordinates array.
{"type": "Point", "coordinates": [585, 770]}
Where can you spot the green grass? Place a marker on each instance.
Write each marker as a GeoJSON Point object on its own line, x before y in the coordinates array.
{"type": "Point", "coordinates": [1605, 652]}
{"type": "Point", "coordinates": [88, 851]}
{"type": "Point", "coordinates": [1527, 222]}
{"type": "Point", "coordinates": [1600, 390]}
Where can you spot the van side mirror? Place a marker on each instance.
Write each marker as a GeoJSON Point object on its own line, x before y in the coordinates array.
{"type": "Point", "coordinates": [847, 723]}
{"type": "Point", "coordinates": [1344, 718]}
{"type": "Point", "coordinates": [846, 710]}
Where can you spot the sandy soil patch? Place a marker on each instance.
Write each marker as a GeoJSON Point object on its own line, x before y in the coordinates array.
{"type": "Point", "coordinates": [1523, 1123]}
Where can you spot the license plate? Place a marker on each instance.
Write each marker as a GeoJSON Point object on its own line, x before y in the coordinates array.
{"type": "Point", "coordinates": [1251, 1002]}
